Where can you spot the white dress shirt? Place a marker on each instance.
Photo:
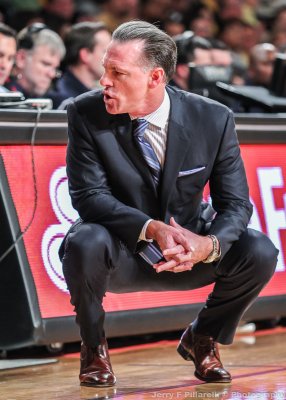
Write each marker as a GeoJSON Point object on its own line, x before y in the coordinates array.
{"type": "Point", "coordinates": [156, 135]}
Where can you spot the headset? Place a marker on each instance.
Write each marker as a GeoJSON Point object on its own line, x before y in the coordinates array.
{"type": "Point", "coordinates": [186, 43]}
{"type": "Point", "coordinates": [27, 40]}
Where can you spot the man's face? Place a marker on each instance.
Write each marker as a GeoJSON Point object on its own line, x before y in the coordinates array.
{"type": "Point", "coordinates": [264, 69]}
{"type": "Point", "coordinates": [221, 57]}
{"type": "Point", "coordinates": [126, 80]}
{"type": "Point", "coordinates": [38, 68]}
{"type": "Point", "coordinates": [102, 40]}
{"type": "Point", "coordinates": [202, 57]}
{"type": "Point", "coordinates": [7, 56]}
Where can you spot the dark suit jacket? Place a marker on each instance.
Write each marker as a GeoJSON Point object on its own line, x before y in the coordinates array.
{"type": "Point", "coordinates": [110, 183]}
{"type": "Point", "coordinates": [66, 87]}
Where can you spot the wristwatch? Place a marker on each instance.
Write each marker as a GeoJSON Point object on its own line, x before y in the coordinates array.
{"type": "Point", "coordinates": [216, 251]}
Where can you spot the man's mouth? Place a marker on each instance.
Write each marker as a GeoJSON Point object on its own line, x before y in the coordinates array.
{"type": "Point", "coordinates": [107, 96]}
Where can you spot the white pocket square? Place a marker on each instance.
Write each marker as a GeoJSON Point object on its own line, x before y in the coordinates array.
{"type": "Point", "coordinates": [190, 171]}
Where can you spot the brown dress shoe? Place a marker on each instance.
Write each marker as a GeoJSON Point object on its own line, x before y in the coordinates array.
{"type": "Point", "coordinates": [203, 351]}
{"type": "Point", "coordinates": [95, 366]}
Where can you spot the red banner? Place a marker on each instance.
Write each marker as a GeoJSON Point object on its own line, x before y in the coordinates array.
{"type": "Point", "coordinates": [266, 171]}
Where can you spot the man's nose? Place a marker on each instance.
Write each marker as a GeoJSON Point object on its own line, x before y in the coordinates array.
{"type": "Point", "coordinates": [52, 73]}
{"type": "Point", "coordinates": [4, 64]}
{"type": "Point", "coordinates": [105, 80]}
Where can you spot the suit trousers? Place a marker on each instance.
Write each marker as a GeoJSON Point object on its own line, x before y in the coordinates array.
{"type": "Point", "coordinates": [94, 262]}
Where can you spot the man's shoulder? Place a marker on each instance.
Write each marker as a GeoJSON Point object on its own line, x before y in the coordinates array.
{"type": "Point", "coordinates": [70, 83]}
{"type": "Point", "coordinates": [91, 108]}
{"type": "Point", "coordinates": [89, 104]}
{"type": "Point", "coordinates": [196, 101]}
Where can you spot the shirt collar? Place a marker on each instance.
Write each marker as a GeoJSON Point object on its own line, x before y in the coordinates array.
{"type": "Point", "coordinates": [160, 116]}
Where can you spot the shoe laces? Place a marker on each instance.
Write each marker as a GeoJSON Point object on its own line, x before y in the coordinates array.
{"type": "Point", "coordinates": [209, 345]}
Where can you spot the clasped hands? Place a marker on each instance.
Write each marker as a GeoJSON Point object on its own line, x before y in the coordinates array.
{"type": "Point", "coordinates": [181, 248]}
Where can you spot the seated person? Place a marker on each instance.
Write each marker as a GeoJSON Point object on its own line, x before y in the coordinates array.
{"type": "Point", "coordinates": [201, 63]}
{"type": "Point", "coordinates": [262, 58]}
{"type": "Point", "coordinates": [191, 49]}
{"type": "Point", "coordinates": [85, 44]}
{"type": "Point", "coordinates": [8, 47]}
{"type": "Point", "coordinates": [40, 51]}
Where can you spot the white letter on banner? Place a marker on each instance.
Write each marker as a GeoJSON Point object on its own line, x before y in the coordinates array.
{"type": "Point", "coordinates": [54, 234]}
{"type": "Point", "coordinates": [269, 178]}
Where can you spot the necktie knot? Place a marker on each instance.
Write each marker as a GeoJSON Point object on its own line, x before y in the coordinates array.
{"type": "Point", "coordinates": [139, 127]}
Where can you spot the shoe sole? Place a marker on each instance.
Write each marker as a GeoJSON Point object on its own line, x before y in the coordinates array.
{"type": "Point", "coordinates": [188, 357]}
{"type": "Point", "coordinates": [210, 380]}
{"type": "Point", "coordinates": [97, 386]}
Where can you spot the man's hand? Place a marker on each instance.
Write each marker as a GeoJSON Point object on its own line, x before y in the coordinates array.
{"type": "Point", "coordinates": [167, 237]}
{"type": "Point", "coordinates": [181, 257]}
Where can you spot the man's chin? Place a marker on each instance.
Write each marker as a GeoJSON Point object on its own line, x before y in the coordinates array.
{"type": "Point", "coordinates": [40, 93]}
{"type": "Point", "coordinates": [111, 110]}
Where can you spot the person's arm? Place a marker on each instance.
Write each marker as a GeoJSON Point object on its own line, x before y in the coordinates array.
{"type": "Point", "coordinates": [88, 185]}
{"type": "Point", "coordinates": [91, 195]}
{"type": "Point", "coordinates": [230, 199]}
{"type": "Point", "coordinates": [229, 190]}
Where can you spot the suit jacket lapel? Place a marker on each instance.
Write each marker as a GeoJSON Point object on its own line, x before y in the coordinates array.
{"type": "Point", "coordinates": [123, 128]}
{"type": "Point", "coordinates": [178, 143]}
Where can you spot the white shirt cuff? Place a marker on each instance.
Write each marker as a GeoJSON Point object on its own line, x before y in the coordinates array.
{"type": "Point", "coordinates": [142, 235]}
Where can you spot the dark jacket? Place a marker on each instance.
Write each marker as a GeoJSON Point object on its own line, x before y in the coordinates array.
{"type": "Point", "coordinates": [68, 86]}
{"type": "Point", "coordinates": [110, 183]}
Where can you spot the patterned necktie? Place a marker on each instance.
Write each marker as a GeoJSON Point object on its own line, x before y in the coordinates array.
{"type": "Point", "coordinates": [139, 127]}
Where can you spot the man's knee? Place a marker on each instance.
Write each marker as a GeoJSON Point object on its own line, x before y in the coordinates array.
{"type": "Point", "coordinates": [87, 242]}
{"type": "Point", "coordinates": [262, 253]}
{"type": "Point", "coordinates": [85, 264]}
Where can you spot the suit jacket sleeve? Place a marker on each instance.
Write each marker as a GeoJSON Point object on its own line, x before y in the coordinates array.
{"type": "Point", "coordinates": [229, 190]}
{"type": "Point", "coordinates": [89, 189]}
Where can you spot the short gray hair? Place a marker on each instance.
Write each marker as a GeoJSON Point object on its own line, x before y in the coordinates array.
{"type": "Point", "coordinates": [29, 39]}
{"type": "Point", "coordinates": [159, 49]}
{"type": "Point", "coordinates": [260, 51]}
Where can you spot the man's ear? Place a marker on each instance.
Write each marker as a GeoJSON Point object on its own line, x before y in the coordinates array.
{"type": "Point", "coordinates": [157, 77]}
{"type": "Point", "coordinates": [84, 55]}
{"type": "Point", "coordinates": [21, 57]}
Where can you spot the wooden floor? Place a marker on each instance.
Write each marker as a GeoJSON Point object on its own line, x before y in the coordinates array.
{"type": "Point", "coordinates": [257, 363]}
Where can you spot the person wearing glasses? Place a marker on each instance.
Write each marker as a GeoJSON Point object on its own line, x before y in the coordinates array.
{"type": "Point", "coordinates": [40, 51]}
